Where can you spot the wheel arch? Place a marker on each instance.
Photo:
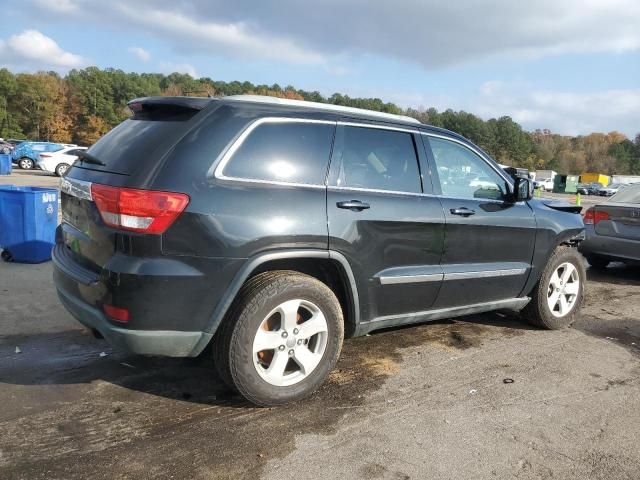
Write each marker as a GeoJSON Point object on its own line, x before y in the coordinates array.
{"type": "Point", "coordinates": [330, 267]}
{"type": "Point", "coordinates": [570, 237]}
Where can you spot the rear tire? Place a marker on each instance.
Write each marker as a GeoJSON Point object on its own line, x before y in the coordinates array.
{"type": "Point", "coordinates": [61, 169]}
{"type": "Point", "coordinates": [25, 163]}
{"type": "Point", "coordinates": [6, 256]}
{"type": "Point", "coordinates": [281, 338]}
{"type": "Point", "coordinates": [557, 297]}
{"type": "Point", "coordinates": [598, 262]}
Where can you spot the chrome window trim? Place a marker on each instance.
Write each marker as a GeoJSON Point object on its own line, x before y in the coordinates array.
{"type": "Point", "coordinates": [428, 277]}
{"type": "Point", "coordinates": [484, 274]}
{"type": "Point", "coordinates": [348, 123]}
{"type": "Point", "coordinates": [375, 190]}
{"type": "Point", "coordinates": [237, 143]}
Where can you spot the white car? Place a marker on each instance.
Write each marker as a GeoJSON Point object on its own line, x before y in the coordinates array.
{"type": "Point", "coordinates": [545, 184]}
{"type": "Point", "coordinates": [60, 161]}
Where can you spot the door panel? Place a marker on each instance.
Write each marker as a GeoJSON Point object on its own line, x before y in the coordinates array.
{"type": "Point", "coordinates": [489, 242]}
{"type": "Point", "coordinates": [393, 237]}
{"type": "Point", "coordinates": [392, 248]}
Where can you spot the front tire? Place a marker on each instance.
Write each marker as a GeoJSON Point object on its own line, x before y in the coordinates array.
{"type": "Point", "coordinates": [281, 338]}
{"type": "Point", "coordinates": [25, 163]}
{"type": "Point", "coordinates": [557, 297]}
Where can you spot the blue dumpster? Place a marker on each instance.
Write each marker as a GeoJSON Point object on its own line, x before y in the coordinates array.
{"type": "Point", "coordinates": [28, 220]}
{"type": "Point", "coordinates": [5, 164]}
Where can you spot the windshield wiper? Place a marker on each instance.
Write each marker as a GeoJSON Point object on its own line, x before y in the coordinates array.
{"type": "Point", "coordinates": [88, 158]}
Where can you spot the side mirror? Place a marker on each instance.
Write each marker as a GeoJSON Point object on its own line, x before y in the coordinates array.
{"type": "Point", "coordinates": [522, 189]}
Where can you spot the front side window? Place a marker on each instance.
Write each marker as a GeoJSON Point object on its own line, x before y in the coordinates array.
{"type": "Point", "coordinates": [375, 158]}
{"type": "Point", "coordinates": [292, 152]}
{"type": "Point", "coordinates": [463, 173]}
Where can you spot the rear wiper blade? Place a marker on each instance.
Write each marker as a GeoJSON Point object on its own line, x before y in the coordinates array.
{"type": "Point", "coordinates": [88, 158]}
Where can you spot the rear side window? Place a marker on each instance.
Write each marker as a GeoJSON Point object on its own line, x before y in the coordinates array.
{"type": "Point", "coordinates": [292, 152]}
{"type": "Point", "coordinates": [376, 159]}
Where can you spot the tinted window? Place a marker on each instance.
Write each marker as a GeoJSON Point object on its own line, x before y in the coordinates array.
{"type": "Point", "coordinates": [376, 159]}
{"type": "Point", "coordinates": [295, 152]}
{"type": "Point", "coordinates": [135, 143]}
{"type": "Point", "coordinates": [463, 174]}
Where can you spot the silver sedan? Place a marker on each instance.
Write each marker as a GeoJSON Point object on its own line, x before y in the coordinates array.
{"type": "Point", "coordinates": [612, 229]}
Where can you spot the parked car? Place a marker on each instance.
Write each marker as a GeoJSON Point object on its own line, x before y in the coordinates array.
{"type": "Point", "coordinates": [612, 229]}
{"type": "Point", "coordinates": [545, 184]}
{"type": "Point", "coordinates": [611, 189]}
{"type": "Point", "coordinates": [272, 228]}
{"type": "Point", "coordinates": [58, 162]}
{"type": "Point", "coordinates": [25, 154]}
{"type": "Point", "coordinates": [589, 188]}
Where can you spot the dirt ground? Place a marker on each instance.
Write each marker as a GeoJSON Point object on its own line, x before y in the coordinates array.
{"type": "Point", "coordinates": [432, 401]}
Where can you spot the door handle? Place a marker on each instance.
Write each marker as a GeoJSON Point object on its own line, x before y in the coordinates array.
{"type": "Point", "coordinates": [354, 205]}
{"type": "Point", "coordinates": [462, 211]}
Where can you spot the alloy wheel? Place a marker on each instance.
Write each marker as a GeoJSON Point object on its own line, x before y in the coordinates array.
{"type": "Point", "coordinates": [290, 342]}
{"type": "Point", "coordinates": [563, 289]}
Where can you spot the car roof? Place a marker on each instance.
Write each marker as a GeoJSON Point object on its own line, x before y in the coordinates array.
{"type": "Point", "coordinates": [303, 106]}
{"type": "Point", "coordinates": [281, 105]}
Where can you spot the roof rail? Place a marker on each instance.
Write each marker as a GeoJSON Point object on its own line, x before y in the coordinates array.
{"type": "Point", "coordinates": [321, 106]}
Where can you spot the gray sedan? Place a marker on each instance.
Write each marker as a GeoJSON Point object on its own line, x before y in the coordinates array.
{"type": "Point", "coordinates": [613, 229]}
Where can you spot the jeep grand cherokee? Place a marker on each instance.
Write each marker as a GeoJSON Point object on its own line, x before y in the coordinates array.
{"type": "Point", "coordinates": [274, 228]}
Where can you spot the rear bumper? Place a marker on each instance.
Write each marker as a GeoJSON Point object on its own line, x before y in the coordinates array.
{"type": "Point", "coordinates": [612, 247]}
{"type": "Point", "coordinates": [144, 342]}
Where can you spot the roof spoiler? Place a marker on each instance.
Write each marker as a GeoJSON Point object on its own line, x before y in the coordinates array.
{"type": "Point", "coordinates": [152, 104]}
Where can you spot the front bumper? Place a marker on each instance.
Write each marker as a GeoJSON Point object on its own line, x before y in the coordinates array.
{"type": "Point", "coordinates": [144, 342]}
{"type": "Point", "coordinates": [606, 246]}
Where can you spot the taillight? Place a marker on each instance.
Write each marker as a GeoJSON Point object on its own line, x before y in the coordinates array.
{"type": "Point", "coordinates": [43, 155]}
{"type": "Point", "coordinates": [144, 211]}
{"type": "Point", "coordinates": [592, 217]}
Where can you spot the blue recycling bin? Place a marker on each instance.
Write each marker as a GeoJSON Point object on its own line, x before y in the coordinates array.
{"type": "Point", "coordinates": [5, 164]}
{"type": "Point", "coordinates": [28, 220]}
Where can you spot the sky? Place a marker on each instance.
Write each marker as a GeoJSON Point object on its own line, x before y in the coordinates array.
{"type": "Point", "coordinates": [571, 66]}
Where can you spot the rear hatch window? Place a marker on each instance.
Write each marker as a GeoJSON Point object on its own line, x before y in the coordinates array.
{"type": "Point", "coordinates": [156, 125]}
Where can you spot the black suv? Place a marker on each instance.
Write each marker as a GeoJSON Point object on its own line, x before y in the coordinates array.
{"type": "Point", "coordinates": [273, 228]}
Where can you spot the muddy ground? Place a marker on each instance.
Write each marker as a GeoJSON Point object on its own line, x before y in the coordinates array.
{"type": "Point", "coordinates": [420, 402]}
{"type": "Point", "coordinates": [414, 403]}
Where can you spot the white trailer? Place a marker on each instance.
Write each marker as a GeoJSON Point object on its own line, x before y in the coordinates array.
{"type": "Point", "coordinates": [625, 179]}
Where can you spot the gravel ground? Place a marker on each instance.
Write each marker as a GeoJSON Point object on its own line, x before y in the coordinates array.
{"type": "Point", "coordinates": [428, 401]}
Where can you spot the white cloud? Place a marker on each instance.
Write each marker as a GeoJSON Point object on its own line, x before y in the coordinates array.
{"type": "Point", "coordinates": [33, 49]}
{"type": "Point", "coordinates": [428, 32]}
{"type": "Point", "coordinates": [140, 53]}
{"type": "Point", "coordinates": [569, 113]}
{"type": "Point", "coordinates": [170, 67]}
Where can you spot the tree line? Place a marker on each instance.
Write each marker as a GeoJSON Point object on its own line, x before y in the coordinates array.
{"type": "Point", "coordinates": [84, 104]}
